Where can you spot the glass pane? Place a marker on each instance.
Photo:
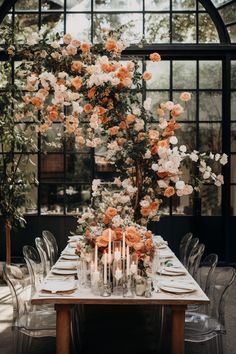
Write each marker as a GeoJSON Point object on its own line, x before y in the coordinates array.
{"type": "Point", "coordinates": [233, 137]}
{"type": "Point", "coordinates": [157, 98]}
{"type": "Point", "coordinates": [29, 134]}
{"type": "Point", "coordinates": [210, 74]}
{"type": "Point", "coordinates": [233, 168]}
{"type": "Point", "coordinates": [233, 106]}
{"type": "Point", "coordinates": [184, 4]}
{"type": "Point", "coordinates": [5, 73]}
{"type": "Point", "coordinates": [48, 5]}
{"type": "Point", "coordinates": [189, 107]}
{"type": "Point", "coordinates": [210, 106]}
{"type": "Point", "coordinates": [54, 23]}
{"type": "Point", "coordinates": [160, 75]}
{"type": "Point", "coordinates": [79, 26]}
{"type": "Point", "coordinates": [182, 206]}
{"type": "Point", "coordinates": [77, 197]}
{"type": "Point", "coordinates": [84, 5]}
{"type": "Point", "coordinates": [52, 199]}
{"type": "Point", "coordinates": [211, 200]}
{"type": "Point", "coordinates": [232, 33]}
{"type": "Point", "coordinates": [207, 32]}
{"type": "Point", "coordinates": [158, 5]}
{"type": "Point", "coordinates": [6, 29]}
{"type": "Point", "coordinates": [134, 21]}
{"type": "Point", "coordinates": [157, 28]}
{"type": "Point", "coordinates": [184, 75]}
{"type": "Point", "coordinates": [52, 140]}
{"type": "Point", "coordinates": [228, 13]}
{"type": "Point", "coordinates": [118, 5]}
{"type": "Point", "coordinates": [184, 28]}
{"type": "Point", "coordinates": [233, 200]}
{"type": "Point", "coordinates": [219, 2]}
{"type": "Point", "coordinates": [31, 204]}
{"type": "Point", "coordinates": [25, 26]}
{"type": "Point", "coordinates": [187, 135]}
{"type": "Point", "coordinates": [233, 74]}
{"type": "Point", "coordinates": [52, 167]}
{"type": "Point", "coordinates": [26, 5]}
{"type": "Point", "coordinates": [78, 167]}
{"type": "Point", "coordinates": [210, 137]}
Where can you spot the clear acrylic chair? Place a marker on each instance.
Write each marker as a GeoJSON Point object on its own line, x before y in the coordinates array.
{"type": "Point", "coordinates": [52, 246]}
{"type": "Point", "coordinates": [194, 259]}
{"type": "Point", "coordinates": [35, 265]}
{"type": "Point", "coordinates": [193, 243]}
{"type": "Point", "coordinates": [27, 322]}
{"type": "Point", "coordinates": [209, 326]}
{"type": "Point", "coordinates": [43, 253]}
{"type": "Point", "coordinates": [183, 247]}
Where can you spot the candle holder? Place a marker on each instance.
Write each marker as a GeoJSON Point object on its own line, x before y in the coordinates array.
{"type": "Point", "coordinates": [127, 287]}
{"type": "Point", "coordinates": [106, 291]}
{"type": "Point", "coordinates": [117, 278]}
{"type": "Point", "coordinates": [140, 284]}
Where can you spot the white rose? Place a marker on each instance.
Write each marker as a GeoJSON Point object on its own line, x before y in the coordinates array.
{"type": "Point", "coordinates": [147, 104]}
{"type": "Point", "coordinates": [224, 159]}
{"type": "Point", "coordinates": [154, 166]}
{"type": "Point", "coordinates": [183, 148]}
{"type": "Point", "coordinates": [180, 185]}
{"type": "Point", "coordinates": [173, 140]}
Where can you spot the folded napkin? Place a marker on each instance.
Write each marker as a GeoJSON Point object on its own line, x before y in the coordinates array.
{"type": "Point", "coordinates": [179, 285]}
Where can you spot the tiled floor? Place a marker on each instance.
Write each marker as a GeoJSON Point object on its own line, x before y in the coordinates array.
{"type": "Point", "coordinates": [48, 345]}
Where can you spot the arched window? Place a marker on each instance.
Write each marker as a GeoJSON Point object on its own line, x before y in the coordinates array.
{"type": "Point", "coordinates": [196, 40]}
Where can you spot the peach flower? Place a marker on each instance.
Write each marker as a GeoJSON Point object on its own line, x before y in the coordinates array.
{"type": "Point", "coordinates": [132, 236]}
{"type": "Point", "coordinates": [155, 57]}
{"type": "Point", "coordinates": [67, 38]}
{"type": "Point", "coordinates": [149, 244]}
{"type": "Point", "coordinates": [169, 191]}
{"type": "Point", "coordinates": [113, 130]}
{"type": "Point", "coordinates": [111, 212]}
{"type": "Point", "coordinates": [36, 101]}
{"type": "Point", "coordinates": [76, 65]}
{"type": "Point", "coordinates": [177, 110]}
{"type": "Point", "coordinates": [122, 125]}
{"type": "Point", "coordinates": [138, 246]}
{"type": "Point", "coordinates": [147, 75]}
{"type": "Point", "coordinates": [91, 92]}
{"type": "Point", "coordinates": [148, 234]}
{"type": "Point", "coordinates": [153, 134]}
{"type": "Point", "coordinates": [110, 44]}
{"type": "Point", "coordinates": [130, 118]}
{"type": "Point", "coordinates": [85, 47]}
{"type": "Point", "coordinates": [185, 96]}
{"type": "Point", "coordinates": [88, 108]}
{"type": "Point", "coordinates": [119, 233]}
{"type": "Point", "coordinates": [145, 211]}
{"type": "Point", "coordinates": [77, 82]}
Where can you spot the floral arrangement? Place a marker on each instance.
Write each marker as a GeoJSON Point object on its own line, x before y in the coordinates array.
{"type": "Point", "coordinates": [96, 94]}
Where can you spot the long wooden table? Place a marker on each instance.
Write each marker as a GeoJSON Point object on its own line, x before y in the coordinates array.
{"type": "Point", "coordinates": [178, 303]}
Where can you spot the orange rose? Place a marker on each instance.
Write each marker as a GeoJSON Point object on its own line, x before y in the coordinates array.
{"type": "Point", "coordinates": [88, 108]}
{"type": "Point", "coordinates": [110, 44]}
{"type": "Point", "coordinates": [91, 92]}
{"type": "Point", "coordinates": [113, 130]}
{"type": "Point", "coordinates": [154, 205]}
{"type": "Point", "coordinates": [53, 115]}
{"type": "Point", "coordinates": [185, 96]}
{"type": "Point", "coordinates": [169, 191]}
{"type": "Point", "coordinates": [130, 118]}
{"type": "Point", "coordinates": [145, 211]}
{"type": "Point", "coordinates": [149, 244]}
{"type": "Point", "coordinates": [153, 134]}
{"type": "Point", "coordinates": [148, 234]}
{"type": "Point", "coordinates": [76, 65]}
{"type": "Point", "coordinates": [100, 110]}
{"type": "Point", "coordinates": [106, 220]}
{"type": "Point", "coordinates": [155, 57]}
{"type": "Point", "coordinates": [77, 82]}
{"type": "Point", "coordinates": [147, 75]}
{"type": "Point", "coordinates": [111, 212]}
{"type": "Point", "coordinates": [119, 234]}
{"type": "Point", "coordinates": [132, 236]}
{"type": "Point", "coordinates": [43, 92]}
{"type": "Point", "coordinates": [121, 141]}
{"type": "Point", "coordinates": [177, 110]}
{"type": "Point", "coordinates": [102, 241]}
{"type": "Point", "coordinates": [36, 101]}
{"type": "Point", "coordinates": [85, 47]}
{"type": "Point", "coordinates": [107, 68]}
{"type": "Point", "coordinates": [122, 125]}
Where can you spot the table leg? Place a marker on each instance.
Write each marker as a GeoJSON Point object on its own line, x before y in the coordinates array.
{"type": "Point", "coordinates": [63, 329]}
{"type": "Point", "coordinates": [178, 320]}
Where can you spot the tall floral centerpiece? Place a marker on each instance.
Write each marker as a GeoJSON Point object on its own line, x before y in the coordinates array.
{"type": "Point", "coordinates": [96, 94]}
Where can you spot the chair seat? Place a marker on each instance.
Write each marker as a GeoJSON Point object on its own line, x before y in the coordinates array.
{"type": "Point", "coordinates": [37, 324]}
{"type": "Point", "coordinates": [200, 327]}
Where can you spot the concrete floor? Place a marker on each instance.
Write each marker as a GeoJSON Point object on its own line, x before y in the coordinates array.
{"type": "Point", "coordinates": [48, 344]}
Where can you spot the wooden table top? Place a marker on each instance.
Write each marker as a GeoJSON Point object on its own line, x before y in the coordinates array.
{"type": "Point", "coordinates": [85, 296]}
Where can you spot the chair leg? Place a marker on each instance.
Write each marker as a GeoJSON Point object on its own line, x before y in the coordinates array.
{"type": "Point", "coordinates": [219, 344]}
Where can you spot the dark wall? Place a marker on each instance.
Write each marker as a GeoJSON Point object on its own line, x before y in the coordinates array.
{"type": "Point", "coordinates": [210, 231]}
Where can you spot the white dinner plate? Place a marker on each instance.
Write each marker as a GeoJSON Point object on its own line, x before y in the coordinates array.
{"type": "Point", "coordinates": [162, 246]}
{"type": "Point", "coordinates": [171, 273]}
{"type": "Point", "coordinates": [72, 244]}
{"type": "Point", "coordinates": [176, 287]}
{"type": "Point", "coordinates": [69, 256]}
{"type": "Point", "coordinates": [65, 265]}
{"type": "Point", "coordinates": [58, 286]}
{"type": "Point", "coordinates": [64, 271]}
{"type": "Point", "coordinates": [166, 254]}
